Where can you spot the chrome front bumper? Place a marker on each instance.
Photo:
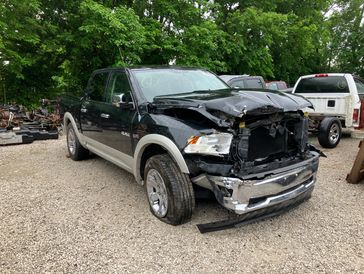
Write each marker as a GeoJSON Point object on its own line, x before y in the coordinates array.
{"type": "Point", "coordinates": [243, 195]}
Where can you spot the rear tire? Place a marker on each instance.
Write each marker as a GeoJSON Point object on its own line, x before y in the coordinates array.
{"type": "Point", "coordinates": [169, 191]}
{"type": "Point", "coordinates": [76, 151]}
{"type": "Point", "coordinates": [329, 133]}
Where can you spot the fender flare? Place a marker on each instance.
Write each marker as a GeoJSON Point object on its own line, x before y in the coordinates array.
{"type": "Point", "coordinates": [162, 141]}
{"type": "Point", "coordinates": [68, 117]}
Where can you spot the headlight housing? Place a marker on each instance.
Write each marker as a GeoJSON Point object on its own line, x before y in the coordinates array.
{"type": "Point", "coordinates": [217, 144]}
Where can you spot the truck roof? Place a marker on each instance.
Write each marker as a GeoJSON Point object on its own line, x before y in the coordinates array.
{"type": "Point", "coordinates": [227, 78]}
{"type": "Point", "coordinates": [149, 67]}
{"type": "Point", "coordinates": [323, 75]}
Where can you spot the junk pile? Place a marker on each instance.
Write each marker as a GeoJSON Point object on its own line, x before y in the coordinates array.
{"type": "Point", "coordinates": [20, 126]}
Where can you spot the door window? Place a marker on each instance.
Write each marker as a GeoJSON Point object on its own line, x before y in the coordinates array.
{"type": "Point", "coordinates": [97, 87]}
{"type": "Point", "coordinates": [254, 83]}
{"type": "Point", "coordinates": [237, 83]}
{"type": "Point", "coordinates": [273, 86]}
{"type": "Point", "coordinates": [119, 86]}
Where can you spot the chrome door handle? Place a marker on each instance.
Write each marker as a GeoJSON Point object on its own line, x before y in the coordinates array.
{"type": "Point", "coordinates": [104, 115]}
{"type": "Point", "coordinates": [83, 110]}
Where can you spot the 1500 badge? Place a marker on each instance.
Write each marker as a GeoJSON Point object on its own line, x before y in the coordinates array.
{"type": "Point", "coordinates": [125, 133]}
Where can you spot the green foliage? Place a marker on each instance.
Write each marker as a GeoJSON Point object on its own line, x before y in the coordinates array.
{"type": "Point", "coordinates": [203, 46]}
{"type": "Point", "coordinates": [49, 47]}
{"type": "Point", "coordinates": [346, 48]}
{"type": "Point", "coordinates": [115, 30]}
{"type": "Point", "coordinates": [100, 37]}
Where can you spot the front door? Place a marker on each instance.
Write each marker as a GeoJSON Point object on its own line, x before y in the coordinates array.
{"type": "Point", "coordinates": [116, 118]}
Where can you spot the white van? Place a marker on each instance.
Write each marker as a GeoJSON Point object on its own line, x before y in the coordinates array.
{"type": "Point", "coordinates": [336, 101]}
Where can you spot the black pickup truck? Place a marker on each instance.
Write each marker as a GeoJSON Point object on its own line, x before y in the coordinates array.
{"type": "Point", "coordinates": [180, 130]}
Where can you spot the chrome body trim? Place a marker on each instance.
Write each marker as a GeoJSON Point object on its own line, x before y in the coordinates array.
{"type": "Point", "coordinates": [246, 195]}
{"type": "Point", "coordinates": [116, 157]}
{"type": "Point", "coordinates": [127, 162]}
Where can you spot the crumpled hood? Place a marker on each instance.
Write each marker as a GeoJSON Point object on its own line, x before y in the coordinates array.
{"type": "Point", "coordinates": [237, 103]}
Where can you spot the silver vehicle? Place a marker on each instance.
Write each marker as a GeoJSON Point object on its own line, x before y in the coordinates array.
{"type": "Point", "coordinates": [244, 81]}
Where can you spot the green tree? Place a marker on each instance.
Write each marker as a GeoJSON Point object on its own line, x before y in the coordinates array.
{"type": "Point", "coordinates": [99, 36]}
{"type": "Point", "coordinates": [48, 47]}
{"type": "Point", "coordinates": [346, 49]}
{"type": "Point", "coordinates": [19, 40]}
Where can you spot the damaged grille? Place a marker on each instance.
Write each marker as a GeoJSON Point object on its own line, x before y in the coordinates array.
{"type": "Point", "coordinates": [264, 142]}
{"type": "Point", "coordinates": [269, 139]}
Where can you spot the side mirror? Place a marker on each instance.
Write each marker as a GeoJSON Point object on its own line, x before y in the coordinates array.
{"type": "Point", "coordinates": [122, 100]}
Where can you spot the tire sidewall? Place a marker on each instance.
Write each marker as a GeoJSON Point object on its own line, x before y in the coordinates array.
{"type": "Point", "coordinates": [80, 152]}
{"type": "Point", "coordinates": [69, 129]}
{"type": "Point", "coordinates": [332, 123]}
{"type": "Point", "coordinates": [153, 164]}
{"type": "Point", "coordinates": [324, 134]}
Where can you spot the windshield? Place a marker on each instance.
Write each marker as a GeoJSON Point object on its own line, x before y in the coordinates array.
{"type": "Point", "coordinates": [158, 82]}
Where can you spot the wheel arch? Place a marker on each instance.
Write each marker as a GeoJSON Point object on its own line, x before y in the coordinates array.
{"type": "Point", "coordinates": [153, 144]}
{"type": "Point", "coordinates": [68, 118]}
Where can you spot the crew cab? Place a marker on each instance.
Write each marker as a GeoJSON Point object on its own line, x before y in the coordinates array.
{"type": "Point", "coordinates": [336, 101]}
{"type": "Point", "coordinates": [181, 130]}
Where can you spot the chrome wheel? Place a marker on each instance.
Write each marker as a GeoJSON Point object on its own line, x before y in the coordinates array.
{"type": "Point", "coordinates": [157, 193]}
{"type": "Point", "coordinates": [334, 133]}
{"type": "Point", "coordinates": [71, 141]}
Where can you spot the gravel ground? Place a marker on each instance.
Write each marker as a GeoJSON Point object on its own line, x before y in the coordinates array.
{"type": "Point", "coordinates": [57, 215]}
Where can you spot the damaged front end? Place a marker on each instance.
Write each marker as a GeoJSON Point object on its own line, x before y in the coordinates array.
{"type": "Point", "coordinates": [257, 156]}
{"type": "Point", "coordinates": [269, 161]}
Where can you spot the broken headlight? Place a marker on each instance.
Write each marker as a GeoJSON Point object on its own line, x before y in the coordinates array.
{"type": "Point", "coordinates": [217, 144]}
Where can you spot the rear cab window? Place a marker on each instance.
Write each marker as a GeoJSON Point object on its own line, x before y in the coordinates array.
{"type": "Point", "coordinates": [273, 86]}
{"type": "Point", "coordinates": [324, 84]}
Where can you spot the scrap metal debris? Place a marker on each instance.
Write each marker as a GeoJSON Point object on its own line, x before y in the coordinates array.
{"type": "Point", "coordinates": [18, 125]}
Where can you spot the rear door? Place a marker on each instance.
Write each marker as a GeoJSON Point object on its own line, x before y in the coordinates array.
{"type": "Point", "coordinates": [329, 94]}
{"type": "Point", "coordinates": [92, 104]}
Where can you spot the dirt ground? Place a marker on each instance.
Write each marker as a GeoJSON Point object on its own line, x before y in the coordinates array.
{"type": "Point", "coordinates": [57, 215]}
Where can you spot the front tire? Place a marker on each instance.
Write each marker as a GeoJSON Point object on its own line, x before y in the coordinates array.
{"type": "Point", "coordinates": [169, 191]}
{"type": "Point", "coordinates": [329, 133]}
{"type": "Point", "coordinates": [76, 151]}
